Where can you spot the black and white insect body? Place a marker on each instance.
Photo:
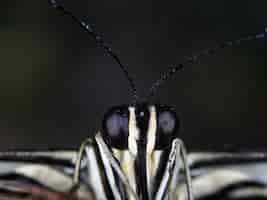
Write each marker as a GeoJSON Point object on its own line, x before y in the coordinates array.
{"type": "Point", "coordinates": [137, 154]}
{"type": "Point", "coordinates": [141, 141]}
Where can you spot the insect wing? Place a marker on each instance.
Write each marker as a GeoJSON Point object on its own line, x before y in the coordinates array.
{"type": "Point", "coordinates": [227, 176]}
{"type": "Point", "coordinates": [40, 175]}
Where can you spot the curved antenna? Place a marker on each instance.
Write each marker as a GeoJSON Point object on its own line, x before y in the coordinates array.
{"type": "Point", "coordinates": [88, 28]}
{"type": "Point", "coordinates": [194, 58]}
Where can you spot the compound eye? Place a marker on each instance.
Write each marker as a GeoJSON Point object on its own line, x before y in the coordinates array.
{"type": "Point", "coordinates": [115, 127]}
{"type": "Point", "coordinates": [116, 124]}
{"type": "Point", "coordinates": [166, 122]}
{"type": "Point", "coordinates": [167, 127]}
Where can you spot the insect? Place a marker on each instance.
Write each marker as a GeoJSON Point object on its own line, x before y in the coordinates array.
{"type": "Point", "coordinates": [136, 155]}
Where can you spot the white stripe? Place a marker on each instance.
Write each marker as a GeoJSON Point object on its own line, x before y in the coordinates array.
{"type": "Point", "coordinates": [126, 161]}
{"type": "Point", "coordinates": [52, 178]}
{"type": "Point", "coordinates": [94, 175]}
{"type": "Point", "coordinates": [109, 174]}
{"type": "Point", "coordinates": [134, 132]}
{"type": "Point", "coordinates": [168, 171]}
{"type": "Point", "coordinates": [151, 140]}
{"type": "Point", "coordinates": [47, 176]}
{"type": "Point", "coordinates": [115, 165]}
{"type": "Point", "coordinates": [128, 167]}
{"type": "Point", "coordinates": [155, 160]}
{"type": "Point", "coordinates": [212, 182]}
{"type": "Point", "coordinates": [152, 128]}
{"type": "Point", "coordinates": [249, 192]}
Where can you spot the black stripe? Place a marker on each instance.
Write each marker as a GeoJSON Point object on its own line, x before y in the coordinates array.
{"type": "Point", "coordinates": [106, 185]}
{"type": "Point", "coordinates": [226, 161]}
{"type": "Point", "coordinates": [120, 185]}
{"type": "Point", "coordinates": [256, 197]}
{"type": "Point", "coordinates": [141, 173]}
{"type": "Point", "coordinates": [224, 193]}
{"type": "Point", "coordinates": [142, 115]}
{"type": "Point", "coordinates": [160, 171]}
{"type": "Point", "coordinates": [32, 158]}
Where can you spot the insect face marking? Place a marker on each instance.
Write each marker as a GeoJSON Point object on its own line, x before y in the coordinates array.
{"type": "Point", "coordinates": [141, 130]}
{"type": "Point", "coordinates": [154, 125]}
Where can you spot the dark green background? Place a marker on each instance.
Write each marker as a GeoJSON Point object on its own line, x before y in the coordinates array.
{"type": "Point", "coordinates": [55, 85]}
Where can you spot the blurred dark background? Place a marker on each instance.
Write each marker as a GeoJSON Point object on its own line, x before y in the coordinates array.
{"type": "Point", "coordinates": [55, 85]}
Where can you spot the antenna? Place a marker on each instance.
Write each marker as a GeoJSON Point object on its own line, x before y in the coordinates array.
{"type": "Point", "coordinates": [195, 58]}
{"type": "Point", "coordinates": [88, 28]}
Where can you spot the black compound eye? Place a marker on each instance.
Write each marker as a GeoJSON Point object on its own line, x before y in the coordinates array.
{"type": "Point", "coordinates": [116, 124]}
{"type": "Point", "coordinates": [166, 122]}
{"type": "Point", "coordinates": [167, 128]}
{"type": "Point", "coordinates": [115, 127]}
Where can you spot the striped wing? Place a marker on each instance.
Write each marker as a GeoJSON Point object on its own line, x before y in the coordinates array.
{"type": "Point", "coordinates": [227, 176]}
{"type": "Point", "coordinates": [49, 175]}
{"type": "Point", "coordinates": [40, 175]}
{"type": "Point", "coordinates": [21, 190]}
